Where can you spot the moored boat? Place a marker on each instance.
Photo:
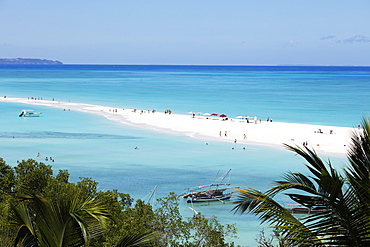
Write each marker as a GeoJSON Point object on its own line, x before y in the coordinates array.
{"type": "Point", "coordinates": [210, 198]}
{"type": "Point", "coordinates": [300, 209]}
{"type": "Point", "coordinates": [29, 113]}
{"type": "Point", "coordinates": [209, 193]}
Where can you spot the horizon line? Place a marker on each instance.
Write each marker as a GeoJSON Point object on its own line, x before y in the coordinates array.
{"type": "Point", "coordinates": [242, 65]}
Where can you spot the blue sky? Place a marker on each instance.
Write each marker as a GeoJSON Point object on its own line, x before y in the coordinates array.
{"type": "Point", "coordinates": [246, 32]}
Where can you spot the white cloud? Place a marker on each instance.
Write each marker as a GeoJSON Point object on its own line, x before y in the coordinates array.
{"type": "Point", "coordinates": [356, 39]}
{"type": "Point", "coordinates": [290, 43]}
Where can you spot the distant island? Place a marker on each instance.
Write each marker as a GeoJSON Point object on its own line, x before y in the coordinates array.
{"type": "Point", "coordinates": [30, 61]}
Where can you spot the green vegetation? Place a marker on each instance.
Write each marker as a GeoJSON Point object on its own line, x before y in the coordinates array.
{"type": "Point", "coordinates": [344, 195]}
{"type": "Point", "coordinates": [39, 209]}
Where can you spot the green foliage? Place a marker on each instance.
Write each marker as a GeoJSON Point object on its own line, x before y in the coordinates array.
{"type": "Point", "coordinates": [33, 175]}
{"type": "Point", "coordinates": [88, 185]}
{"type": "Point", "coordinates": [48, 210]}
{"type": "Point", "coordinates": [196, 231]}
{"type": "Point", "coordinates": [62, 177]}
{"type": "Point", "coordinates": [128, 221]}
{"type": "Point", "coordinates": [7, 178]}
{"type": "Point", "coordinates": [345, 197]}
{"type": "Point", "coordinates": [68, 219]}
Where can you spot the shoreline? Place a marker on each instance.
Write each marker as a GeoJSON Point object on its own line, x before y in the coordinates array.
{"type": "Point", "coordinates": [326, 139]}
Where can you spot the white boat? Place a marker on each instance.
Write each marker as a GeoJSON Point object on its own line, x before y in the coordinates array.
{"type": "Point", "coordinates": [29, 113]}
{"type": "Point", "coordinates": [209, 193]}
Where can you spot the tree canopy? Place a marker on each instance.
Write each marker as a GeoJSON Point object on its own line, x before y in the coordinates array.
{"type": "Point", "coordinates": [39, 209]}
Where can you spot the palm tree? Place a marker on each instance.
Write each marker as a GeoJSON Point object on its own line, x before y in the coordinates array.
{"type": "Point", "coordinates": [68, 220]}
{"type": "Point", "coordinates": [137, 239]}
{"type": "Point", "coordinates": [345, 196]}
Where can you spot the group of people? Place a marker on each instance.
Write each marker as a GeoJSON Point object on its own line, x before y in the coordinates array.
{"type": "Point", "coordinates": [142, 111]}
{"type": "Point", "coordinates": [46, 158]}
{"type": "Point", "coordinates": [34, 98]}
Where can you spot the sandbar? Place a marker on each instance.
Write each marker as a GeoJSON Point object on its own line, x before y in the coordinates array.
{"type": "Point", "coordinates": [328, 139]}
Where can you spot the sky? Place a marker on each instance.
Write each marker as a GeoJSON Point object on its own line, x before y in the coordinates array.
{"type": "Point", "coordinates": [222, 32]}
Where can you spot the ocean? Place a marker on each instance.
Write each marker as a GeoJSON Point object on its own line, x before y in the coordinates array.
{"type": "Point", "coordinates": [88, 145]}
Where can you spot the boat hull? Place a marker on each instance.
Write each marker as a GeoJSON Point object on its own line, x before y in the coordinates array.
{"type": "Point", "coordinates": [209, 198]}
{"type": "Point", "coordinates": [25, 113]}
{"type": "Point", "coordinates": [304, 210]}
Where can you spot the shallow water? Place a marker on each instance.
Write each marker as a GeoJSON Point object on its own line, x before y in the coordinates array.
{"type": "Point", "coordinates": [92, 146]}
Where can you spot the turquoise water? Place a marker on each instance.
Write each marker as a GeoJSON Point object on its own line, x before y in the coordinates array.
{"type": "Point", "coordinates": [322, 95]}
{"type": "Point", "coordinates": [92, 146]}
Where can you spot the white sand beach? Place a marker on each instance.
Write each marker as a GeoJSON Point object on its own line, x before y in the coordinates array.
{"type": "Point", "coordinates": [330, 140]}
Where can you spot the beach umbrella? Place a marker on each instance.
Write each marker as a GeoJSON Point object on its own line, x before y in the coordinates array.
{"type": "Point", "coordinates": [222, 115]}
{"type": "Point", "coordinates": [207, 114]}
{"type": "Point", "coordinates": [199, 113]}
{"type": "Point", "coordinates": [214, 114]}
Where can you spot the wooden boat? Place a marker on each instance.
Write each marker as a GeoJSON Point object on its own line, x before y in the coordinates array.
{"type": "Point", "coordinates": [299, 209]}
{"type": "Point", "coordinates": [210, 192]}
{"type": "Point", "coordinates": [211, 197]}
{"type": "Point", "coordinates": [29, 113]}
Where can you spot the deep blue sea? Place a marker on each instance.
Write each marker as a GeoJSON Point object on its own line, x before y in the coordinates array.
{"type": "Point", "coordinates": [92, 146]}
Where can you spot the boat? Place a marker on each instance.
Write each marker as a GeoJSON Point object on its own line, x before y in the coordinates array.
{"type": "Point", "coordinates": [210, 196]}
{"type": "Point", "coordinates": [299, 209]}
{"type": "Point", "coordinates": [29, 113]}
{"type": "Point", "coordinates": [210, 192]}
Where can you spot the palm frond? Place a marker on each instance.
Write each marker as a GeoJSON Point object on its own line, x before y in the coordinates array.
{"type": "Point", "coordinates": [20, 216]}
{"type": "Point", "coordinates": [345, 198]}
{"type": "Point", "coordinates": [68, 220]}
{"type": "Point", "coordinates": [268, 210]}
{"type": "Point", "coordinates": [137, 239]}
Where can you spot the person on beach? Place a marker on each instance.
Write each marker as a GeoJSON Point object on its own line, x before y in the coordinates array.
{"type": "Point", "coordinates": [245, 137]}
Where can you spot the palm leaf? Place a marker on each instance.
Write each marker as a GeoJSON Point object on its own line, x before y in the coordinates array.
{"type": "Point", "coordinates": [68, 220]}
{"type": "Point", "coordinates": [137, 239]}
{"type": "Point", "coordinates": [20, 217]}
{"type": "Point", "coordinates": [346, 222]}
{"type": "Point", "coordinates": [268, 210]}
